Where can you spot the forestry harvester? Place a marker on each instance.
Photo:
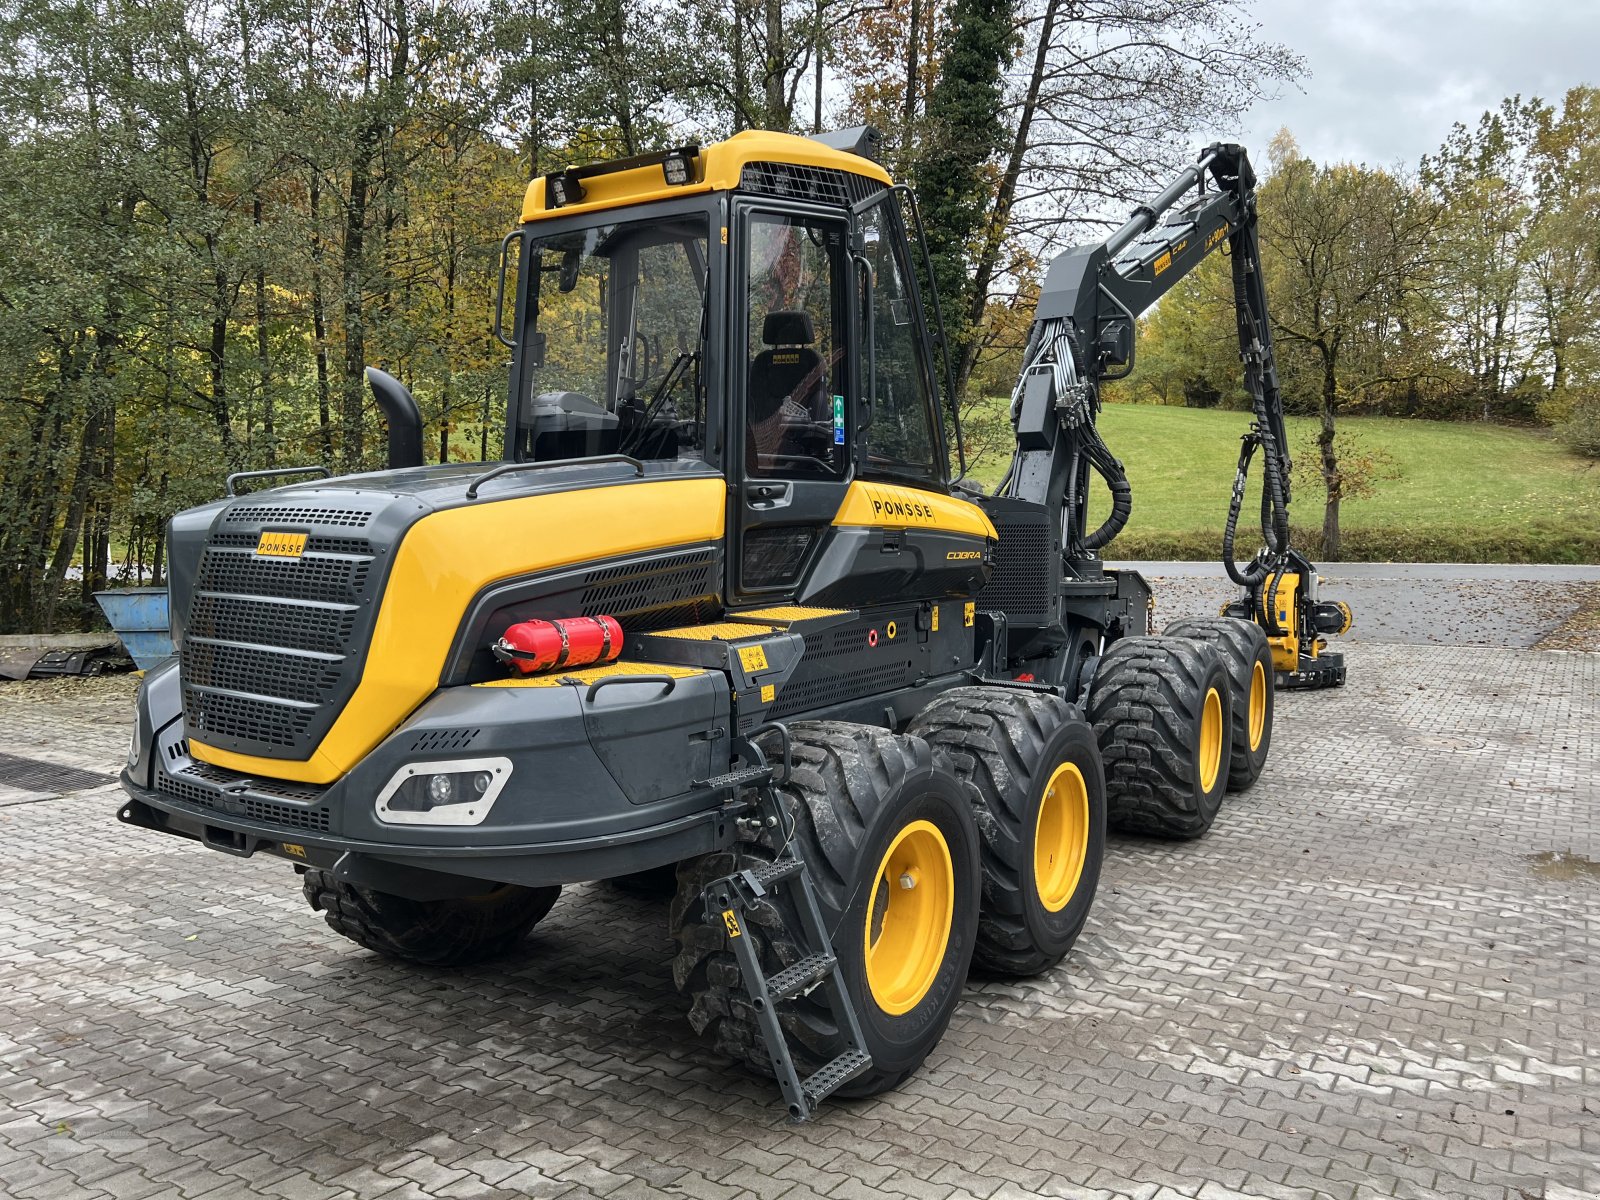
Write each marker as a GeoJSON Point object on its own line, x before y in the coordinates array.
{"type": "Point", "coordinates": [720, 621]}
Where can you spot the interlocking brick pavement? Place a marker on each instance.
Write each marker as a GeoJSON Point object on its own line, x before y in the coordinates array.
{"type": "Point", "coordinates": [1363, 983]}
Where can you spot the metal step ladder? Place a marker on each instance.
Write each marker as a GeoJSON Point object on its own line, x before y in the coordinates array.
{"type": "Point", "coordinates": [729, 900]}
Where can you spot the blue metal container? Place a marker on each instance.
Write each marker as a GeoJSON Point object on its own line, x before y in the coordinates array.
{"type": "Point", "coordinates": [141, 620]}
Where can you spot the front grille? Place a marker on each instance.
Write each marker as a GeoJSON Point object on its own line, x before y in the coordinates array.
{"type": "Point", "coordinates": [818, 185]}
{"type": "Point", "coordinates": [201, 784]}
{"type": "Point", "coordinates": [331, 579]}
{"type": "Point", "coordinates": [271, 645]}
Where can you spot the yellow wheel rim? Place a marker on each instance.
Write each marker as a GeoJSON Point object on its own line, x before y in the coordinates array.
{"type": "Point", "coordinates": [1210, 740]}
{"type": "Point", "coordinates": [908, 917]}
{"type": "Point", "coordinates": [1061, 837]}
{"type": "Point", "coordinates": [1258, 705]}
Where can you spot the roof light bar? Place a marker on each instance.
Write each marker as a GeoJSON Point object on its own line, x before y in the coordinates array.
{"type": "Point", "coordinates": [678, 167]}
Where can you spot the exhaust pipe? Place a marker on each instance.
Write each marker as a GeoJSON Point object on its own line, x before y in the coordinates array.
{"type": "Point", "coordinates": [405, 419]}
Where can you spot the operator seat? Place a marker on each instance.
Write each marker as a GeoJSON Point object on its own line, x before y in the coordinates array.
{"type": "Point", "coordinates": [786, 386]}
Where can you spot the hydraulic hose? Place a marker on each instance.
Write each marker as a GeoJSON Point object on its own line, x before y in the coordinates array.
{"type": "Point", "coordinates": [1110, 469]}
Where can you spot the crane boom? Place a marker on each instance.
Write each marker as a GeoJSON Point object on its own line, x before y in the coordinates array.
{"type": "Point", "coordinates": [1083, 336]}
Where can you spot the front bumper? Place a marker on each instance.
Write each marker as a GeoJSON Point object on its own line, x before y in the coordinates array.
{"type": "Point", "coordinates": [534, 864]}
{"type": "Point", "coordinates": [600, 786]}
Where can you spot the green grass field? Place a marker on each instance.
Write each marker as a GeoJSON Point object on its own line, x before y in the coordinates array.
{"type": "Point", "coordinates": [1461, 492]}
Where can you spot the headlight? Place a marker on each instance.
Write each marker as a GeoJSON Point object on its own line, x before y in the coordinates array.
{"type": "Point", "coordinates": [459, 792]}
{"type": "Point", "coordinates": [133, 745]}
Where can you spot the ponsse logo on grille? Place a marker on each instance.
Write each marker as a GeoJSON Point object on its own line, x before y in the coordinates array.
{"type": "Point", "coordinates": [890, 506]}
{"type": "Point", "coordinates": [275, 544]}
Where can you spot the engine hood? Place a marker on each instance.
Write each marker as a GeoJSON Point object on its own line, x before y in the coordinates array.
{"type": "Point", "coordinates": [316, 617]}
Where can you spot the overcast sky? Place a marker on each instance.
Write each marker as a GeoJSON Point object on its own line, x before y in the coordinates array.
{"type": "Point", "coordinates": [1387, 78]}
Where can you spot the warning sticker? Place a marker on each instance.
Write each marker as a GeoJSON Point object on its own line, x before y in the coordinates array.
{"type": "Point", "coordinates": [753, 658]}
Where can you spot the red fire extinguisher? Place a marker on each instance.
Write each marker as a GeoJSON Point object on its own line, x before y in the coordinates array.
{"type": "Point", "coordinates": [533, 646]}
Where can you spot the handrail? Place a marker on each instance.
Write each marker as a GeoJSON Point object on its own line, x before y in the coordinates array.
{"type": "Point", "coordinates": [508, 468]}
{"type": "Point", "coordinates": [239, 475]}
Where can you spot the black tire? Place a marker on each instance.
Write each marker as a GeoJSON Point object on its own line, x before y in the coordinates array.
{"type": "Point", "coordinates": [1147, 702]}
{"type": "Point", "coordinates": [1248, 659]}
{"type": "Point", "coordinates": [1009, 745]}
{"type": "Point", "coordinates": [435, 933]}
{"type": "Point", "coordinates": [854, 788]}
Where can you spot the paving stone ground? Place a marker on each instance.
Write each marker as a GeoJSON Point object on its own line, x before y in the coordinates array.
{"type": "Point", "coordinates": [1379, 976]}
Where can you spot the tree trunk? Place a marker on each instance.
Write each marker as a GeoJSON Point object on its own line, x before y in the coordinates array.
{"type": "Point", "coordinates": [816, 54]}
{"type": "Point", "coordinates": [777, 110]}
{"type": "Point", "coordinates": [263, 347]}
{"type": "Point", "coordinates": [353, 312]}
{"type": "Point", "coordinates": [913, 46]}
{"type": "Point", "coordinates": [319, 322]}
{"type": "Point", "coordinates": [738, 68]}
{"type": "Point", "coordinates": [1332, 480]}
{"type": "Point", "coordinates": [983, 270]}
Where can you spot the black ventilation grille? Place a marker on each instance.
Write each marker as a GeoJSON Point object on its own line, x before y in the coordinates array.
{"type": "Point", "coordinates": [272, 645]}
{"type": "Point", "coordinates": [819, 185]}
{"type": "Point", "coordinates": [201, 784]}
{"type": "Point", "coordinates": [443, 741]}
{"type": "Point", "coordinates": [276, 515]}
{"type": "Point", "coordinates": [638, 594]}
{"type": "Point", "coordinates": [1025, 568]}
{"type": "Point", "coordinates": [337, 579]}
{"type": "Point", "coordinates": [321, 627]}
{"type": "Point", "coordinates": [840, 665]}
{"type": "Point", "coordinates": [219, 717]}
{"type": "Point", "coordinates": [264, 671]}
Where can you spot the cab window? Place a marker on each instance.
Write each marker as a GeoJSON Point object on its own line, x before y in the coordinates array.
{"type": "Point", "coordinates": [794, 366]}
{"type": "Point", "coordinates": [900, 441]}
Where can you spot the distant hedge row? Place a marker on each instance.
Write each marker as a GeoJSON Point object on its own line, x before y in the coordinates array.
{"type": "Point", "coordinates": [1532, 544]}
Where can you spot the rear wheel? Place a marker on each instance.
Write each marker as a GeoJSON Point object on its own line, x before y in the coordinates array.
{"type": "Point", "coordinates": [889, 838]}
{"type": "Point", "coordinates": [435, 933]}
{"type": "Point", "coordinates": [1161, 709]}
{"type": "Point", "coordinates": [1041, 814]}
{"type": "Point", "coordinates": [1248, 659]}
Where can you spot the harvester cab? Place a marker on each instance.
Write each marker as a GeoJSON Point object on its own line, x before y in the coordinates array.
{"type": "Point", "coordinates": [719, 622]}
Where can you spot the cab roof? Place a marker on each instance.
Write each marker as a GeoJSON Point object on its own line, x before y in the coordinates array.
{"type": "Point", "coordinates": [718, 167]}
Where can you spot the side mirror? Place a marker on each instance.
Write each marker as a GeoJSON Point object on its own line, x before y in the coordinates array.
{"type": "Point", "coordinates": [570, 262]}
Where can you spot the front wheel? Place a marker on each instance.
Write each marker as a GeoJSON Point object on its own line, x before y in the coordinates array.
{"type": "Point", "coordinates": [434, 933]}
{"type": "Point", "coordinates": [889, 838]}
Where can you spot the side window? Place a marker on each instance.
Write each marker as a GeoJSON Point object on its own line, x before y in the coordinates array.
{"type": "Point", "coordinates": [900, 440]}
{"type": "Point", "coordinates": [794, 403]}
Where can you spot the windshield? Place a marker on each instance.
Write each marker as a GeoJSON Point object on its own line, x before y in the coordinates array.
{"type": "Point", "coordinates": [615, 344]}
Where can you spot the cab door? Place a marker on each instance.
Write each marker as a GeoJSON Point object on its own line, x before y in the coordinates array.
{"type": "Point", "coordinates": [790, 380]}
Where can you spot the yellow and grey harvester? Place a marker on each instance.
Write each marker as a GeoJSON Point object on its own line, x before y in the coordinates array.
{"type": "Point", "coordinates": [866, 722]}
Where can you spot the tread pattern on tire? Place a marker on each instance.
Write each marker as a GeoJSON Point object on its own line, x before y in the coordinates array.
{"type": "Point", "coordinates": [1144, 701]}
{"type": "Point", "coordinates": [1238, 642]}
{"type": "Point", "coordinates": [858, 764]}
{"type": "Point", "coordinates": [989, 736]}
{"type": "Point", "coordinates": [432, 933]}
